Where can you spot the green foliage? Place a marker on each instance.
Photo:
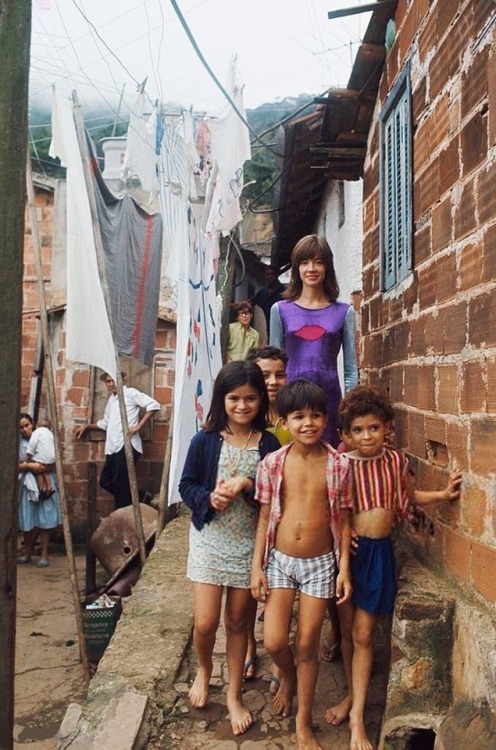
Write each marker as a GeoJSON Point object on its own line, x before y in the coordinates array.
{"type": "Point", "coordinates": [263, 162]}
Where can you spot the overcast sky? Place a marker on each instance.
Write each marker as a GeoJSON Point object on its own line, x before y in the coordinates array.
{"type": "Point", "coordinates": [284, 48]}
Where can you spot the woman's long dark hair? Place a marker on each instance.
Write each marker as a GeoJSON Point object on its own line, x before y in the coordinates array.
{"type": "Point", "coordinates": [232, 376]}
{"type": "Point", "coordinates": [25, 415]}
{"type": "Point", "coordinates": [309, 248]}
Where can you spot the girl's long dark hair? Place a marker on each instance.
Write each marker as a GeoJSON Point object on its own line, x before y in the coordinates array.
{"type": "Point", "coordinates": [232, 376]}
{"type": "Point", "coordinates": [308, 248]}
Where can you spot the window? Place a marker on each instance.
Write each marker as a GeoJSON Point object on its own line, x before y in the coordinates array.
{"type": "Point", "coordinates": [396, 184]}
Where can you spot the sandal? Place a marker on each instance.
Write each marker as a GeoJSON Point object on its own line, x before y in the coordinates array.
{"type": "Point", "coordinates": [43, 563]}
{"type": "Point", "coordinates": [330, 652]}
{"type": "Point", "coordinates": [23, 559]}
{"type": "Point", "coordinates": [250, 668]}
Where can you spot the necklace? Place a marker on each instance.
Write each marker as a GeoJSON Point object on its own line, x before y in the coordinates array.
{"type": "Point", "coordinates": [231, 464]}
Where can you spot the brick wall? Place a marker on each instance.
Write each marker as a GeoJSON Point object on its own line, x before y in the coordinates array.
{"type": "Point", "coordinates": [432, 341]}
{"type": "Point", "coordinates": [72, 381]}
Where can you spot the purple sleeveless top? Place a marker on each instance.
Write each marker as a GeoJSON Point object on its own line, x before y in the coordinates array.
{"type": "Point", "coordinates": [312, 340]}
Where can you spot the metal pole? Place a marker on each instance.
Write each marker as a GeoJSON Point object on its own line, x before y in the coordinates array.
{"type": "Point", "coordinates": [52, 402]}
{"type": "Point", "coordinates": [106, 295]}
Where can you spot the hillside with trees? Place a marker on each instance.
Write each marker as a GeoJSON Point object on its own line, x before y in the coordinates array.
{"type": "Point", "coordinates": [102, 124]}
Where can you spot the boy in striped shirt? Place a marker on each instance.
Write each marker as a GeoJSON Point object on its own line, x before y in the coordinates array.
{"type": "Point", "coordinates": [382, 493]}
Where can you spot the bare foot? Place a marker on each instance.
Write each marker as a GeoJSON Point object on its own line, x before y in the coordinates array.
{"type": "Point", "coordinates": [198, 694]}
{"type": "Point", "coordinates": [359, 739]}
{"type": "Point", "coordinates": [283, 699]}
{"type": "Point", "coordinates": [337, 714]}
{"type": "Point", "coordinates": [241, 718]}
{"type": "Point", "coordinates": [305, 739]}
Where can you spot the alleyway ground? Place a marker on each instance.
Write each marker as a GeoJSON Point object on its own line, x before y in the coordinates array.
{"type": "Point", "coordinates": [49, 677]}
{"type": "Point", "coordinates": [49, 674]}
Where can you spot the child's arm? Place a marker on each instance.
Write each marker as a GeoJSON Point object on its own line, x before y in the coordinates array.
{"type": "Point", "coordinates": [450, 493]}
{"type": "Point", "coordinates": [193, 487]}
{"type": "Point", "coordinates": [343, 581]}
{"type": "Point", "coordinates": [259, 585]}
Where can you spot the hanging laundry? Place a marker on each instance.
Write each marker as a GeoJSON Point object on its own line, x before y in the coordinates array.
{"type": "Point", "coordinates": [140, 160]}
{"type": "Point", "coordinates": [89, 337]}
{"type": "Point", "coordinates": [132, 242]}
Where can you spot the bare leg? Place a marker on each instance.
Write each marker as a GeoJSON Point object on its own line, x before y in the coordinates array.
{"type": "Point", "coordinates": [310, 618]}
{"type": "Point", "coordinates": [29, 540]}
{"type": "Point", "coordinates": [278, 611]}
{"type": "Point", "coordinates": [337, 714]}
{"type": "Point", "coordinates": [363, 628]}
{"type": "Point", "coordinates": [238, 602]}
{"type": "Point", "coordinates": [207, 602]}
{"type": "Point", "coordinates": [44, 539]}
{"type": "Point", "coordinates": [332, 640]}
{"type": "Point", "coordinates": [250, 667]}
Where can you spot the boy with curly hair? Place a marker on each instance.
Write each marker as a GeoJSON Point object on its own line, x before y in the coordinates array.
{"type": "Point", "coordinates": [382, 492]}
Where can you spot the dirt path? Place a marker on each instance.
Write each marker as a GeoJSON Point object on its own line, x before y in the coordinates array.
{"type": "Point", "coordinates": [49, 675]}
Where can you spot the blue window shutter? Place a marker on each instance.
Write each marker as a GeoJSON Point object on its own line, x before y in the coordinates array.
{"type": "Point", "coordinates": [395, 185]}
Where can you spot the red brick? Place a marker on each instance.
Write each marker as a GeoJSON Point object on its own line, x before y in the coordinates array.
{"type": "Point", "coordinates": [471, 268]}
{"type": "Point", "coordinates": [444, 14]}
{"type": "Point", "coordinates": [489, 264]}
{"type": "Point", "coordinates": [474, 505]}
{"type": "Point", "coordinates": [434, 332]}
{"type": "Point", "coordinates": [483, 433]}
{"type": "Point", "coordinates": [474, 83]}
{"type": "Point", "coordinates": [483, 565]}
{"type": "Point", "coordinates": [457, 555]}
{"type": "Point", "coordinates": [440, 68]}
{"type": "Point", "coordinates": [427, 286]}
{"type": "Point", "coordinates": [486, 194]}
{"type": "Point", "coordinates": [442, 223]}
{"type": "Point", "coordinates": [446, 273]}
{"type": "Point", "coordinates": [411, 385]}
{"type": "Point", "coordinates": [473, 395]}
{"type": "Point", "coordinates": [491, 385]}
{"type": "Point", "coordinates": [419, 100]}
{"type": "Point", "coordinates": [449, 167]}
{"type": "Point", "coordinates": [435, 429]}
{"type": "Point", "coordinates": [491, 86]}
{"type": "Point", "coordinates": [482, 320]}
{"type": "Point", "coordinates": [473, 140]}
{"type": "Point", "coordinates": [416, 434]}
{"type": "Point", "coordinates": [418, 346]}
{"type": "Point", "coordinates": [400, 428]}
{"type": "Point", "coordinates": [457, 439]}
{"type": "Point", "coordinates": [426, 188]}
{"type": "Point", "coordinates": [426, 387]}
{"type": "Point", "coordinates": [396, 376]}
{"type": "Point", "coordinates": [447, 393]}
{"type": "Point", "coordinates": [455, 328]}
{"type": "Point", "coordinates": [422, 243]}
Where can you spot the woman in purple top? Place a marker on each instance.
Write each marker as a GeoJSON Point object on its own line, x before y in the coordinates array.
{"type": "Point", "coordinates": [312, 325]}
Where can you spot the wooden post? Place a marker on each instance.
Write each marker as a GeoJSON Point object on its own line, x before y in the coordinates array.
{"type": "Point", "coordinates": [15, 32]}
{"type": "Point", "coordinates": [90, 527]}
{"type": "Point", "coordinates": [100, 254]}
{"type": "Point", "coordinates": [164, 484]}
{"type": "Point", "coordinates": [52, 403]}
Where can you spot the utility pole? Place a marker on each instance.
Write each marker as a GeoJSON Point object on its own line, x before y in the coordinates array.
{"type": "Point", "coordinates": [15, 34]}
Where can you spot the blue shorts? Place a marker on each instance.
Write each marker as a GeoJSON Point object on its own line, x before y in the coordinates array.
{"type": "Point", "coordinates": [313, 576]}
{"type": "Point", "coordinates": [373, 576]}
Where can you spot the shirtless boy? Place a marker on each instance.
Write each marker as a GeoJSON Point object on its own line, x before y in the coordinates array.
{"type": "Point", "coordinates": [382, 491]}
{"type": "Point", "coordinates": [303, 491]}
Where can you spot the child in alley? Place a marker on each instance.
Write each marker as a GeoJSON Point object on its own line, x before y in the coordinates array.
{"type": "Point", "coordinates": [382, 491]}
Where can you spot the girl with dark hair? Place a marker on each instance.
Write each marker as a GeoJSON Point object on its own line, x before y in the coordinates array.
{"type": "Point", "coordinates": [35, 513]}
{"type": "Point", "coordinates": [217, 484]}
{"type": "Point", "coordinates": [312, 326]}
